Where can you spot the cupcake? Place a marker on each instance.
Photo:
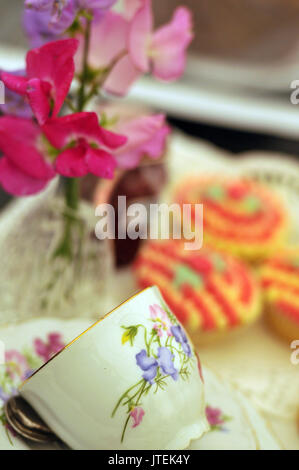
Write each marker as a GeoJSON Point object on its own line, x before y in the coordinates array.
{"type": "Point", "coordinates": [241, 217]}
{"type": "Point", "coordinates": [211, 293]}
{"type": "Point", "coordinates": [280, 284]}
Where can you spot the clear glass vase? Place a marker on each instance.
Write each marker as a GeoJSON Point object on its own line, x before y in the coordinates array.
{"type": "Point", "coordinates": [39, 277]}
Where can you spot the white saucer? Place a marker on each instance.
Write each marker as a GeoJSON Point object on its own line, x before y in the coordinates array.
{"type": "Point", "coordinates": [237, 424]}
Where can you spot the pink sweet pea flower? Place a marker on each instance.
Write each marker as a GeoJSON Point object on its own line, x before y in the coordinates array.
{"type": "Point", "coordinates": [146, 134]}
{"type": "Point", "coordinates": [113, 32]}
{"type": "Point", "coordinates": [137, 414]}
{"type": "Point", "coordinates": [162, 52]}
{"type": "Point", "coordinates": [85, 145]}
{"type": "Point", "coordinates": [47, 349]}
{"type": "Point", "coordinates": [24, 169]}
{"type": "Point", "coordinates": [161, 319]}
{"type": "Point", "coordinates": [49, 74]}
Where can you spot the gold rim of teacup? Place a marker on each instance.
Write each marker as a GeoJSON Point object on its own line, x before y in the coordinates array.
{"type": "Point", "coordinates": [83, 333]}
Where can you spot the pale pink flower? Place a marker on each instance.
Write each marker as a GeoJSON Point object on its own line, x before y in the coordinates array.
{"type": "Point", "coordinates": [16, 364]}
{"type": "Point", "coordinates": [161, 320]}
{"type": "Point", "coordinates": [137, 414]}
{"type": "Point", "coordinates": [162, 52]}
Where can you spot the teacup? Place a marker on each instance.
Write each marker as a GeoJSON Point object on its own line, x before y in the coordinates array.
{"type": "Point", "coordinates": [130, 381]}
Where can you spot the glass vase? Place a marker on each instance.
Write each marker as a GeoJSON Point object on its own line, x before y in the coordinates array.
{"type": "Point", "coordinates": [39, 275]}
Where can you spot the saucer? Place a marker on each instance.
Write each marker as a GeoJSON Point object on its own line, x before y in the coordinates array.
{"type": "Point", "coordinates": [234, 422]}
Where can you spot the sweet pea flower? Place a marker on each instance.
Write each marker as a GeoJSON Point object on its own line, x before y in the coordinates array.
{"type": "Point", "coordinates": [85, 147]}
{"type": "Point", "coordinates": [37, 27]}
{"type": "Point", "coordinates": [15, 104]}
{"type": "Point", "coordinates": [181, 338]}
{"type": "Point", "coordinates": [60, 13]}
{"type": "Point", "coordinates": [132, 48]}
{"type": "Point", "coordinates": [162, 52]}
{"type": "Point", "coordinates": [146, 134]}
{"type": "Point", "coordinates": [112, 31]}
{"type": "Point", "coordinates": [47, 349]}
{"type": "Point", "coordinates": [49, 74]}
{"type": "Point", "coordinates": [137, 414]}
{"type": "Point", "coordinates": [24, 170]}
{"type": "Point", "coordinates": [161, 319]}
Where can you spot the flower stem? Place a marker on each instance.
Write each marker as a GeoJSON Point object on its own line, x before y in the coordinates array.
{"type": "Point", "coordinates": [72, 193]}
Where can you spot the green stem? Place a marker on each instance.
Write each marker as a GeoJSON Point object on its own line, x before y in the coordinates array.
{"type": "Point", "coordinates": [81, 94]}
{"type": "Point", "coordinates": [72, 193]}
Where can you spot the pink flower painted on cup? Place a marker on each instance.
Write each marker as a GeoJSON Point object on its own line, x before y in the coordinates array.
{"type": "Point", "coordinates": [214, 416]}
{"type": "Point", "coordinates": [16, 365]}
{"type": "Point", "coordinates": [49, 74]}
{"type": "Point", "coordinates": [24, 168]}
{"type": "Point", "coordinates": [47, 349]}
{"type": "Point", "coordinates": [160, 318]}
{"type": "Point", "coordinates": [85, 146]}
{"type": "Point", "coordinates": [137, 415]}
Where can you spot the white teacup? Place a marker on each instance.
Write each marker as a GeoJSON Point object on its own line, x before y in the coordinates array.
{"type": "Point", "coordinates": [131, 381]}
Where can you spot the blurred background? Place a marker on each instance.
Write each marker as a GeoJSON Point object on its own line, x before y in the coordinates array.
{"type": "Point", "coordinates": [236, 91]}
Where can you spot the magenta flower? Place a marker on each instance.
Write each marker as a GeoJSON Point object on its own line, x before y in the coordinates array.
{"type": "Point", "coordinates": [162, 52]}
{"type": "Point", "coordinates": [49, 74]}
{"type": "Point", "coordinates": [161, 319]}
{"type": "Point", "coordinates": [47, 349]}
{"type": "Point", "coordinates": [214, 416]}
{"type": "Point", "coordinates": [85, 146]}
{"type": "Point", "coordinates": [137, 414]}
{"type": "Point", "coordinates": [16, 365]}
{"type": "Point", "coordinates": [24, 169]}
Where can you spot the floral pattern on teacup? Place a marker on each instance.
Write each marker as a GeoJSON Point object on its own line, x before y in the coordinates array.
{"type": "Point", "coordinates": [19, 366]}
{"type": "Point", "coordinates": [166, 355]}
{"type": "Point", "coordinates": [216, 418]}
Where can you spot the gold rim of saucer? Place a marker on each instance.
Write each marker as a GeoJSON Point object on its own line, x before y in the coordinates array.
{"type": "Point", "coordinates": [83, 333]}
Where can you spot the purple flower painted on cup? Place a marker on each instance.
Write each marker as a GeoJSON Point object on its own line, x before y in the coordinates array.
{"type": "Point", "coordinates": [165, 361]}
{"type": "Point", "coordinates": [137, 414]}
{"type": "Point", "coordinates": [180, 337]}
{"type": "Point", "coordinates": [148, 364]}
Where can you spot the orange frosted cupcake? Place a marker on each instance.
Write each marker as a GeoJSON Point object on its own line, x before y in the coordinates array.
{"type": "Point", "coordinates": [210, 292]}
{"type": "Point", "coordinates": [280, 284]}
{"type": "Point", "coordinates": [240, 216]}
